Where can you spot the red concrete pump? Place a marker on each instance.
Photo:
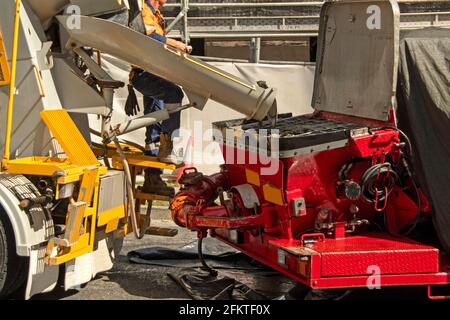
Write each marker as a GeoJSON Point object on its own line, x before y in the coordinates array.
{"type": "Point", "coordinates": [327, 199]}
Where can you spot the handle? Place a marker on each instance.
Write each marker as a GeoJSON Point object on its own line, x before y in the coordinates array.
{"type": "Point", "coordinates": [312, 237]}
{"type": "Point", "coordinates": [431, 297]}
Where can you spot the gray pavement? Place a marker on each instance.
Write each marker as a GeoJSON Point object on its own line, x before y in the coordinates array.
{"type": "Point", "coordinates": [128, 281]}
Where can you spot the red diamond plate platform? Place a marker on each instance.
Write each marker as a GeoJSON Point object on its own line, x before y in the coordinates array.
{"type": "Point", "coordinates": [355, 255]}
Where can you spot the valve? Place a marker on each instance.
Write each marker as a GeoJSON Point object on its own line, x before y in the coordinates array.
{"type": "Point", "coordinates": [190, 177]}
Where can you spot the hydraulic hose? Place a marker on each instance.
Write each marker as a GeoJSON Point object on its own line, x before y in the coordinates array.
{"type": "Point", "coordinates": [202, 259]}
{"type": "Point", "coordinates": [138, 233]}
{"type": "Point", "coordinates": [410, 173]}
{"type": "Point", "coordinates": [369, 180]}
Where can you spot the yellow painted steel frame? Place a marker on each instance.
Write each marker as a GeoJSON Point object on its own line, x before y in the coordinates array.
{"type": "Point", "coordinates": [5, 73]}
{"type": "Point", "coordinates": [135, 158]}
{"type": "Point", "coordinates": [88, 194]}
{"type": "Point", "coordinates": [84, 201]}
{"type": "Point", "coordinates": [80, 166]}
{"type": "Point", "coordinates": [137, 162]}
{"type": "Point", "coordinates": [141, 161]}
{"type": "Point", "coordinates": [111, 218]}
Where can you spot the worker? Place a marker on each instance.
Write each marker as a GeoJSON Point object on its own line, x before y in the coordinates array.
{"type": "Point", "coordinates": [158, 94]}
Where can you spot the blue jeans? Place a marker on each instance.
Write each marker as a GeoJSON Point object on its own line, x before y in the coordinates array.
{"type": "Point", "coordinates": [157, 92]}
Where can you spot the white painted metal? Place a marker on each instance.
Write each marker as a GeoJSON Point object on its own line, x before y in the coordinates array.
{"type": "Point", "coordinates": [42, 278]}
{"type": "Point", "coordinates": [30, 136]}
{"type": "Point", "coordinates": [357, 78]}
{"type": "Point", "coordinates": [85, 268]}
{"type": "Point", "coordinates": [31, 231]}
{"type": "Point", "coordinates": [23, 233]}
{"type": "Point", "coordinates": [99, 7]}
{"type": "Point", "coordinates": [45, 10]}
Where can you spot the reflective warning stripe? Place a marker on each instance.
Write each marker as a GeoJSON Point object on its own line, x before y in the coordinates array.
{"type": "Point", "coordinates": [150, 29]}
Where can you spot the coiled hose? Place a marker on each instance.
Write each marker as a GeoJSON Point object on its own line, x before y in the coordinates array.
{"type": "Point", "coordinates": [369, 181]}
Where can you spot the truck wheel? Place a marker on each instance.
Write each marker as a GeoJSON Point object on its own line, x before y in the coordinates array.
{"type": "Point", "coordinates": [13, 269]}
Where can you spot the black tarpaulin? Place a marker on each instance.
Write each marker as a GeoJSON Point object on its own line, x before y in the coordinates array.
{"type": "Point", "coordinates": [218, 254]}
{"type": "Point", "coordinates": [424, 113]}
{"type": "Point", "coordinates": [239, 277]}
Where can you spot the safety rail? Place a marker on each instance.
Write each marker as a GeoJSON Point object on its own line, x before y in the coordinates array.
{"type": "Point", "coordinates": [237, 19]}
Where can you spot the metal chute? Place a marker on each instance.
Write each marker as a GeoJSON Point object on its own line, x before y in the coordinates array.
{"type": "Point", "coordinates": [199, 79]}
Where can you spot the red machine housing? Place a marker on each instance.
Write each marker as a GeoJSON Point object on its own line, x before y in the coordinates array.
{"type": "Point", "coordinates": [339, 207]}
{"type": "Point", "coordinates": [329, 240]}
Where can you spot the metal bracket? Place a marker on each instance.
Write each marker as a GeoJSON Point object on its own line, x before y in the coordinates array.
{"type": "Point", "coordinates": [44, 57]}
{"type": "Point", "coordinates": [248, 195]}
{"type": "Point", "coordinates": [196, 101]}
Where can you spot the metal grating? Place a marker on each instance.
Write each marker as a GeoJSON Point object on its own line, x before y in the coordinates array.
{"type": "Point", "coordinates": [69, 137]}
{"type": "Point", "coordinates": [305, 126]}
{"type": "Point", "coordinates": [296, 133]}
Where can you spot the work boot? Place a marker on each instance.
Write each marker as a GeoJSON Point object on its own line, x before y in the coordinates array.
{"type": "Point", "coordinates": [155, 185]}
{"type": "Point", "coordinates": [165, 153]}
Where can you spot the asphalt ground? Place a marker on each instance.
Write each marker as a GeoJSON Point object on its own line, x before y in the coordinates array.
{"type": "Point", "coordinates": [129, 281]}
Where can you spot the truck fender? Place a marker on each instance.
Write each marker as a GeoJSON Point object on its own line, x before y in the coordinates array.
{"type": "Point", "coordinates": [32, 230]}
{"type": "Point", "coordinates": [18, 219]}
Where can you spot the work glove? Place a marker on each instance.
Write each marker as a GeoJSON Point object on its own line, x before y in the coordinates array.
{"type": "Point", "coordinates": [132, 105]}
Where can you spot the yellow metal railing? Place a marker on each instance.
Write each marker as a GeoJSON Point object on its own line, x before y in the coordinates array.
{"type": "Point", "coordinates": [12, 88]}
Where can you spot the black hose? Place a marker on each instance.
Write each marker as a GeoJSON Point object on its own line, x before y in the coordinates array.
{"type": "Point", "coordinates": [343, 172]}
{"type": "Point", "coordinates": [410, 174]}
{"type": "Point", "coordinates": [206, 267]}
{"type": "Point", "coordinates": [368, 180]}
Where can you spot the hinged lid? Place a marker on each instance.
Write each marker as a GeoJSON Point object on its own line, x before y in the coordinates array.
{"type": "Point", "coordinates": [357, 58]}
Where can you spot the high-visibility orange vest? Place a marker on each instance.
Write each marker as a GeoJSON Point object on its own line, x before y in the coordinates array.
{"type": "Point", "coordinates": [153, 19]}
{"type": "Point", "coordinates": [154, 24]}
